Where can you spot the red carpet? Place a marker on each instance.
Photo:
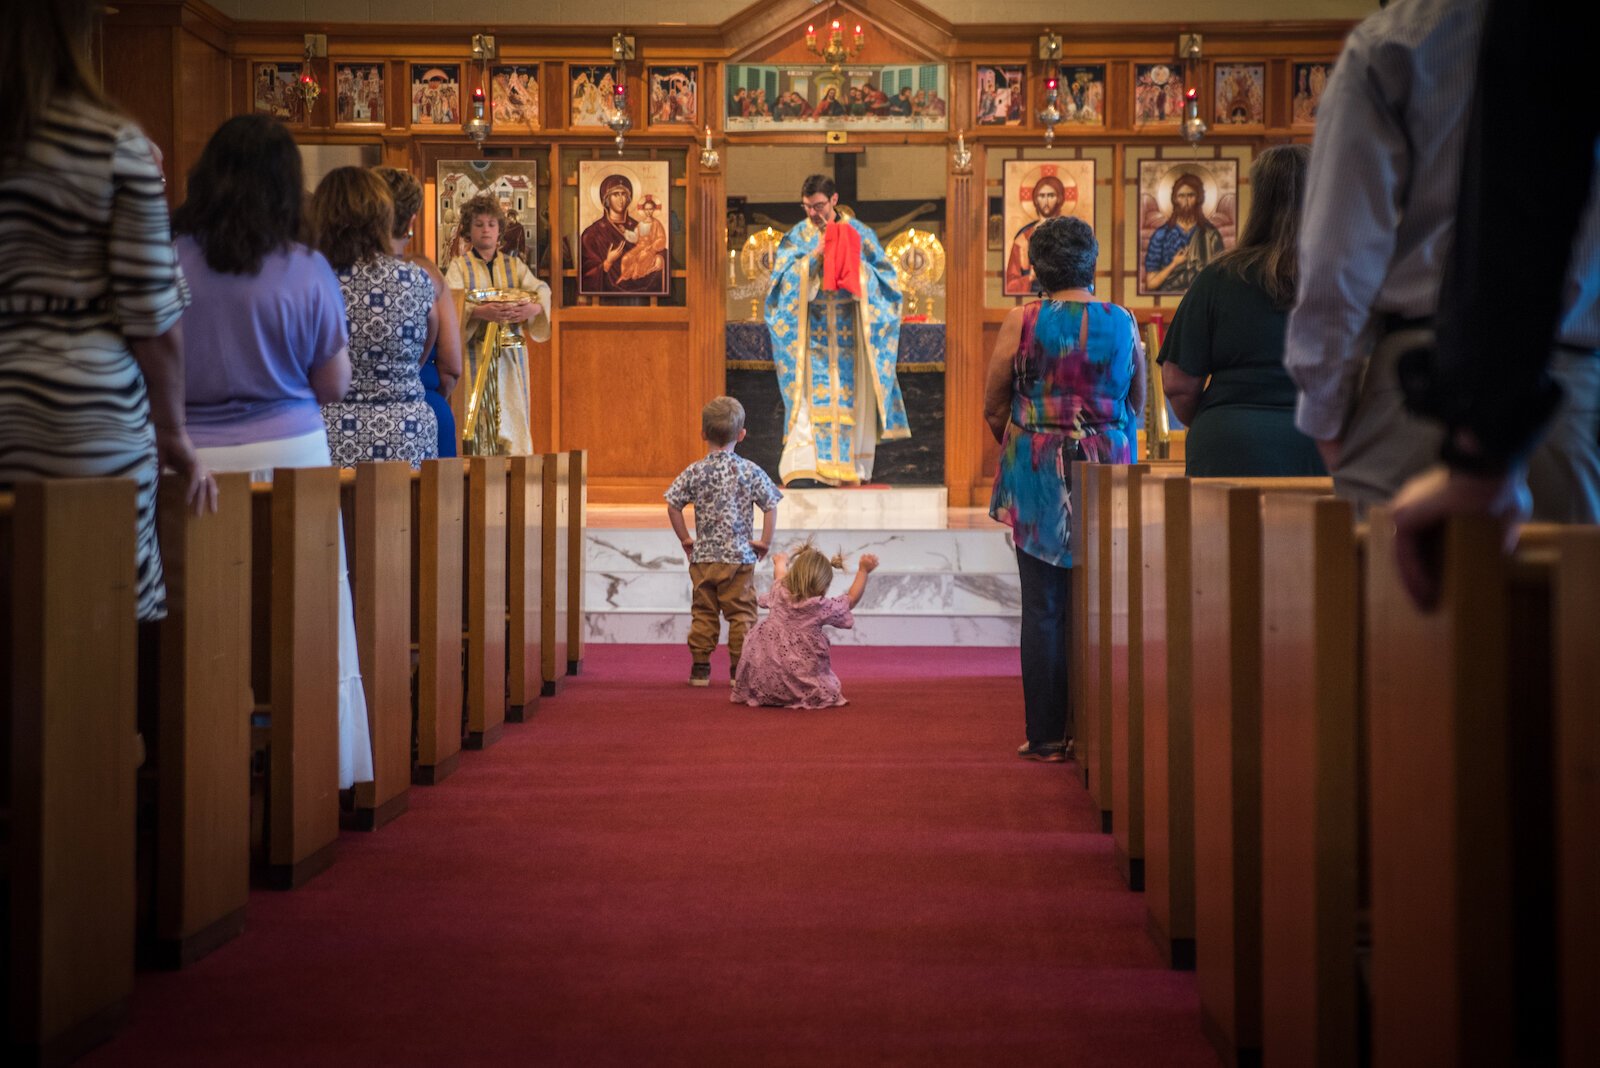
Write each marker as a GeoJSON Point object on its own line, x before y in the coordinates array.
{"type": "Point", "coordinates": [647, 874]}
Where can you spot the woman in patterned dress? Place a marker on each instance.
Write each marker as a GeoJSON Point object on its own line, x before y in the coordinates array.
{"type": "Point", "coordinates": [1066, 383]}
{"type": "Point", "coordinates": [390, 304]}
{"type": "Point", "coordinates": [91, 368]}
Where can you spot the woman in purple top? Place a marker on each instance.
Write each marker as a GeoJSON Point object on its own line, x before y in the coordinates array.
{"type": "Point", "coordinates": [267, 343]}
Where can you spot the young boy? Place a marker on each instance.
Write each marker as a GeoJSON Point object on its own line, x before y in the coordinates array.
{"type": "Point", "coordinates": [722, 554]}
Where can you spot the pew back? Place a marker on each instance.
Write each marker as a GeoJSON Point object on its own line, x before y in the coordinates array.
{"type": "Point", "coordinates": [440, 537]}
{"type": "Point", "coordinates": [524, 581]}
{"type": "Point", "coordinates": [381, 583]}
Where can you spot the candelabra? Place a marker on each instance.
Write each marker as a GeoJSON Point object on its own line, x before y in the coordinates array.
{"type": "Point", "coordinates": [619, 123]}
{"type": "Point", "coordinates": [1050, 115]}
{"type": "Point", "coordinates": [837, 52]}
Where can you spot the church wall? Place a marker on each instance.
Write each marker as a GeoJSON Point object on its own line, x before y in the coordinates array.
{"type": "Point", "coordinates": [626, 378]}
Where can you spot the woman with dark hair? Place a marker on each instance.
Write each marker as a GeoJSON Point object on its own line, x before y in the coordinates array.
{"type": "Point", "coordinates": [390, 304]}
{"type": "Point", "coordinates": [441, 367]}
{"type": "Point", "coordinates": [91, 364]}
{"type": "Point", "coordinates": [1066, 383]}
{"type": "Point", "coordinates": [1222, 359]}
{"type": "Point", "coordinates": [268, 330]}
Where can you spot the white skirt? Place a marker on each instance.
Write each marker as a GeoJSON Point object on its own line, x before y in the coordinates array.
{"type": "Point", "coordinates": [311, 450]}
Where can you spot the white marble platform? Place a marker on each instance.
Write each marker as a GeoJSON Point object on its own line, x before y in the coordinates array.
{"type": "Point", "coordinates": [881, 508]}
{"type": "Point", "coordinates": [933, 586]}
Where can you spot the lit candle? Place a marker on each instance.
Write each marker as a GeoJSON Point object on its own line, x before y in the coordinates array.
{"type": "Point", "coordinates": [859, 37]}
{"type": "Point", "coordinates": [961, 141]}
{"type": "Point", "coordinates": [1050, 84]}
{"type": "Point", "coordinates": [811, 37]}
{"type": "Point", "coordinates": [708, 137]}
{"type": "Point", "coordinates": [477, 102]}
{"type": "Point", "coordinates": [733, 269]}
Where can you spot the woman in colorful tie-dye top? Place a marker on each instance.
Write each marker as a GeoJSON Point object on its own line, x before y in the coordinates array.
{"type": "Point", "coordinates": [1066, 383]}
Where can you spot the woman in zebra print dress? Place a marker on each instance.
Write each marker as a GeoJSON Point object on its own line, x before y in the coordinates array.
{"type": "Point", "coordinates": [90, 291]}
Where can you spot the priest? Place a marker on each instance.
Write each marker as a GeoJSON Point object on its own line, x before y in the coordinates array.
{"type": "Point", "coordinates": [834, 315]}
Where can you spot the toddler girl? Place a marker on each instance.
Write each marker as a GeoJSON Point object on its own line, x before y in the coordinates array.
{"type": "Point", "coordinates": [785, 662]}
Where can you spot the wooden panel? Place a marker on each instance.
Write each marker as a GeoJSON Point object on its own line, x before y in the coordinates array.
{"type": "Point", "coordinates": [71, 720]}
{"type": "Point", "coordinates": [1099, 538]}
{"type": "Point", "coordinates": [577, 555]}
{"type": "Point", "coordinates": [203, 104]}
{"type": "Point", "coordinates": [486, 601]}
{"type": "Point", "coordinates": [553, 593]}
{"type": "Point", "coordinates": [1077, 685]}
{"type": "Point", "coordinates": [439, 536]}
{"type": "Point", "coordinates": [303, 791]}
{"type": "Point", "coordinates": [1126, 727]}
{"type": "Point", "coordinates": [1167, 670]}
{"type": "Point", "coordinates": [598, 362]}
{"type": "Point", "coordinates": [1461, 818]}
{"type": "Point", "coordinates": [381, 576]}
{"type": "Point", "coordinates": [202, 720]}
{"type": "Point", "coordinates": [524, 577]}
{"type": "Point", "coordinates": [1088, 550]}
{"type": "Point", "coordinates": [1227, 762]}
{"type": "Point", "coordinates": [1310, 863]}
{"type": "Point", "coordinates": [1577, 780]}
{"type": "Point", "coordinates": [967, 438]}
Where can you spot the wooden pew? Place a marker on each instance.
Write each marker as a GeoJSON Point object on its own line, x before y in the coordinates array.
{"type": "Point", "coordinates": [438, 538]}
{"type": "Point", "coordinates": [1310, 741]}
{"type": "Point", "coordinates": [1126, 691]}
{"type": "Point", "coordinates": [68, 656]}
{"type": "Point", "coordinates": [524, 580]}
{"type": "Point", "coordinates": [295, 603]}
{"type": "Point", "coordinates": [1078, 686]}
{"type": "Point", "coordinates": [1577, 783]}
{"type": "Point", "coordinates": [577, 554]}
{"type": "Point", "coordinates": [197, 730]}
{"type": "Point", "coordinates": [1226, 710]}
{"type": "Point", "coordinates": [1467, 756]}
{"type": "Point", "coordinates": [378, 499]}
{"type": "Point", "coordinates": [1093, 742]}
{"type": "Point", "coordinates": [1166, 667]}
{"type": "Point", "coordinates": [555, 603]}
{"type": "Point", "coordinates": [486, 601]}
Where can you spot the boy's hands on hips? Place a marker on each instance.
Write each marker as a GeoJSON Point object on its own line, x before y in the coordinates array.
{"type": "Point", "coordinates": [688, 549]}
{"type": "Point", "coordinates": [761, 549]}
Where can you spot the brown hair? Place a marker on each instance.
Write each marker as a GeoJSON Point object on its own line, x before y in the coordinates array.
{"type": "Point", "coordinates": [810, 573]}
{"type": "Point", "coordinates": [407, 194]}
{"type": "Point", "coordinates": [482, 204]}
{"type": "Point", "coordinates": [44, 57]}
{"type": "Point", "coordinates": [721, 420]}
{"type": "Point", "coordinates": [1269, 248]}
{"type": "Point", "coordinates": [352, 215]}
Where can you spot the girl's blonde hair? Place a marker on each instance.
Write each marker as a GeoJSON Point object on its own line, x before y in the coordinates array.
{"type": "Point", "coordinates": [810, 573]}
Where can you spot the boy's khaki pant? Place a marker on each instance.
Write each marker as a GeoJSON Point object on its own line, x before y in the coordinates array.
{"type": "Point", "coordinates": [720, 590]}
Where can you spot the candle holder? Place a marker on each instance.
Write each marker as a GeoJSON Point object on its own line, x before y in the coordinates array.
{"type": "Point", "coordinates": [619, 123]}
{"type": "Point", "coordinates": [836, 53]}
{"type": "Point", "coordinates": [961, 158]}
{"type": "Point", "coordinates": [307, 87]}
{"type": "Point", "coordinates": [1050, 115]}
{"type": "Point", "coordinates": [1193, 127]}
{"type": "Point", "coordinates": [479, 125]}
{"type": "Point", "coordinates": [708, 155]}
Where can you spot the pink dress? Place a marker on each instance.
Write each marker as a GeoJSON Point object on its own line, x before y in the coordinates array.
{"type": "Point", "coordinates": [785, 660]}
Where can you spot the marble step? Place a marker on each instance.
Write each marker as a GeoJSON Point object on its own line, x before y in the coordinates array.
{"type": "Point", "coordinates": [885, 508]}
{"type": "Point", "coordinates": [984, 551]}
{"type": "Point", "coordinates": [644, 627]}
{"type": "Point", "coordinates": [910, 593]}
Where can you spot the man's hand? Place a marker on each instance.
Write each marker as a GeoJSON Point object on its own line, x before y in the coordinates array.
{"type": "Point", "coordinates": [1330, 450]}
{"type": "Point", "coordinates": [1424, 503]}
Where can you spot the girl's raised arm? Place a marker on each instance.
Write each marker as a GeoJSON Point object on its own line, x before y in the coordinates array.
{"type": "Point", "coordinates": [866, 566]}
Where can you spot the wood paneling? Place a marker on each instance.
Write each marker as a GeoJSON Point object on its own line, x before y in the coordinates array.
{"type": "Point", "coordinates": [556, 547]}
{"type": "Point", "coordinates": [380, 570]}
{"type": "Point", "coordinates": [486, 600]}
{"type": "Point", "coordinates": [69, 711]}
{"type": "Point", "coordinates": [439, 539]}
{"type": "Point", "coordinates": [524, 579]}
{"type": "Point", "coordinates": [202, 723]}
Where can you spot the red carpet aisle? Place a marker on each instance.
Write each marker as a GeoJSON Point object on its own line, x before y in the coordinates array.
{"type": "Point", "coordinates": [646, 874]}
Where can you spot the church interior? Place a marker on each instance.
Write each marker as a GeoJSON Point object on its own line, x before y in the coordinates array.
{"type": "Point", "coordinates": [1303, 811]}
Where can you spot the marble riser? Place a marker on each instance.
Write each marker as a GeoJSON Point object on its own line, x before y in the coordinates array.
{"type": "Point", "coordinates": [624, 550]}
{"type": "Point", "coordinates": [663, 628]}
{"type": "Point", "coordinates": [914, 592]}
{"type": "Point", "coordinates": [910, 507]}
